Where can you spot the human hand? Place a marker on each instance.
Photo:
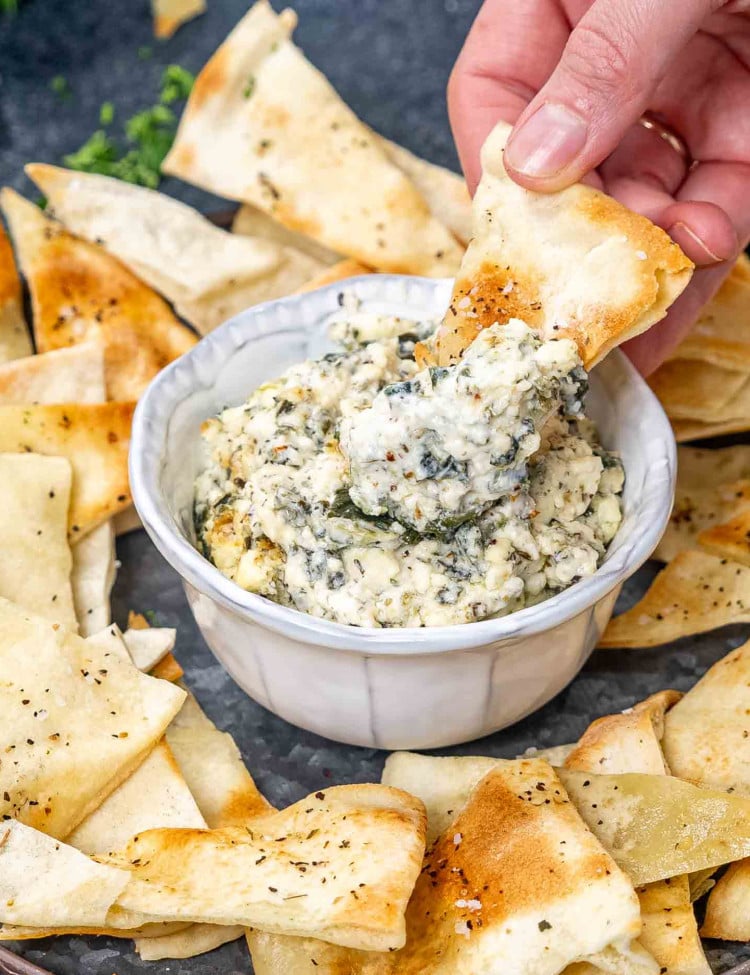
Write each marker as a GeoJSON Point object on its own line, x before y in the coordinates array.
{"type": "Point", "coordinates": [575, 77]}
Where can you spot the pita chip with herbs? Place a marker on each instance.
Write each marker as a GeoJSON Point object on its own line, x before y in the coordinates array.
{"type": "Point", "coordinates": [36, 563]}
{"type": "Point", "coordinates": [208, 274]}
{"type": "Point", "coordinates": [603, 276]}
{"type": "Point", "coordinates": [15, 341]}
{"type": "Point", "coordinates": [309, 162]}
{"type": "Point", "coordinates": [77, 719]}
{"type": "Point", "coordinates": [694, 593]}
{"type": "Point", "coordinates": [69, 375]}
{"type": "Point", "coordinates": [79, 293]}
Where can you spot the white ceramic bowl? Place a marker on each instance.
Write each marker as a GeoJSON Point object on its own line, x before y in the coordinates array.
{"type": "Point", "coordinates": [386, 688]}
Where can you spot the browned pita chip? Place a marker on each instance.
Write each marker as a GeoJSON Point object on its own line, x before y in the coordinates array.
{"type": "Point", "coordinates": [168, 669]}
{"type": "Point", "coordinates": [669, 930]}
{"type": "Point", "coordinates": [94, 438]}
{"type": "Point", "coordinates": [696, 592]}
{"type": "Point", "coordinates": [685, 430]}
{"type": "Point", "coordinates": [731, 539]}
{"type": "Point", "coordinates": [15, 340]}
{"type": "Point", "coordinates": [262, 125]}
{"type": "Point", "coordinates": [693, 390]}
{"type": "Point", "coordinates": [170, 15]}
{"type": "Point", "coordinates": [573, 264]}
{"type": "Point", "coordinates": [79, 293]}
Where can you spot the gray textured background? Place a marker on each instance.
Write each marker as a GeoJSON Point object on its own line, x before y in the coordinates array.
{"type": "Point", "coordinates": [390, 59]}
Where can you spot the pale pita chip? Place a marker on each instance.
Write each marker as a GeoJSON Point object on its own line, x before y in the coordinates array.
{"type": "Point", "coordinates": [74, 375]}
{"type": "Point", "coordinates": [196, 940]}
{"type": "Point", "coordinates": [80, 293]}
{"type": "Point", "coordinates": [731, 539]}
{"type": "Point", "coordinates": [254, 222]}
{"type": "Point", "coordinates": [43, 880]}
{"type": "Point", "coordinates": [148, 647]}
{"type": "Point", "coordinates": [721, 335]}
{"type": "Point", "coordinates": [92, 578]}
{"type": "Point", "coordinates": [15, 341]}
{"type": "Point", "coordinates": [699, 391]}
{"type": "Point", "coordinates": [94, 437]}
{"type": "Point", "coordinates": [367, 841]}
{"type": "Point", "coordinates": [685, 430]}
{"type": "Point", "coordinates": [337, 272]}
{"type": "Point", "coordinates": [36, 564]}
{"type": "Point", "coordinates": [573, 264]}
{"type": "Point", "coordinates": [694, 593]}
{"type": "Point", "coordinates": [76, 718]}
{"type": "Point", "coordinates": [208, 274]}
{"type": "Point", "coordinates": [727, 915]}
{"type": "Point", "coordinates": [170, 15]}
{"type": "Point", "coordinates": [702, 467]}
{"type": "Point", "coordinates": [309, 162]}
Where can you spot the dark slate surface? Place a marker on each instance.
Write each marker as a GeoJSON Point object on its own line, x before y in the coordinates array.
{"type": "Point", "coordinates": [390, 59]}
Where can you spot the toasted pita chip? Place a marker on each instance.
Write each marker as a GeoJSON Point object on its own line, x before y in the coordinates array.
{"type": "Point", "coordinates": [170, 15]}
{"type": "Point", "coordinates": [626, 742]}
{"type": "Point", "coordinates": [95, 439]}
{"type": "Point", "coordinates": [127, 521]}
{"type": "Point", "coordinates": [337, 272]}
{"type": "Point", "coordinates": [308, 162]}
{"type": "Point", "coordinates": [727, 915]}
{"type": "Point", "coordinates": [213, 768]}
{"type": "Point", "coordinates": [196, 940]}
{"type": "Point", "coordinates": [721, 335]}
{"type": "Point", "coordinates": [79, 293]}
{"type": "Point", "coordinates": [43, 878]}
{"type": "Point", "coordinates": [92, 578]}
{"type": "Point", "coordinates": [701, 882]}
{"type": "Point", "coordinates": [15, 341]}
{"type": "Point", "coordinates": [685, 430]}
{"type": "Point", "coordinates": [35, 568]}
{"type": "Point", "coordinates": [694, 593]}
{"type": "Point", "coordinates": [208, 274]}
{"type": "Point", "coordinates": [74, 375]}
{"type": "Point", "coordinates": [699, 391]}
{"type": "Point", "coordinates": [731, 539]}
{"type": "Point", "coordinates": [367, 841]}
{"type": "Point", "coordinates": [168, 669]}
{"type": "Point", "coordinates": [78, 719]}
{"type": "Point", "coordinates": [670, 932]}
{"type": "Point", "coordinates": [254, 222]}
{"type": "Point", "coordinates": [148, 647]}
{"type": "Point", "coordinates": [573, 264]}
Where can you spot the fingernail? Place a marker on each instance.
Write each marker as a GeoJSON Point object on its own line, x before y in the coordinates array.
{"type": "Point", "coordinates": [547, 143]}
{"type": "Point", "coordinates": [695, 248]}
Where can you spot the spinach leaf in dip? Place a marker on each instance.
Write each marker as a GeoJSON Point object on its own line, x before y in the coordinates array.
{"type": "Point", "coordinates": [360, 489]}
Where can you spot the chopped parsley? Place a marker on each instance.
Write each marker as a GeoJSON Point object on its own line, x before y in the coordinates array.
{"type": "Point", "coordinates": [149, 136]}
{"type": "Point", "coordinates": [8, 6]}
{"type": "Point", "coordinates": [249, 87]}
{"type": "Point", "coordinates": [59, 85]}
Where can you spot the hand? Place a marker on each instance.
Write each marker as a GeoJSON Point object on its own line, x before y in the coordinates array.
{"type": "Point", "coordinates": [574, 76]}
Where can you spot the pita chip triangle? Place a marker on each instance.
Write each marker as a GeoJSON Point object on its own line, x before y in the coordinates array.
{"type": "Point", "coordinates": [701, 467]}
{"type": "Point", "coordinates": [263, 126]}
{"type": "Point", "coordinates": [36, 563]}
{"type": "Point", "coordinates": [70, 375]}
{"type": "Point", "coordinates": [208, 274]}
{"type": "Point", "coordinates": [631, 742]}
{"type": "Point", "coordinates": [92, 578]}
{"type": "Point", "coordinates": [15, 340]}
{"type": "Point", "coordinates": [255, 222]}
{"type": "Point", "coordinates": [731, 539]}
{"type": "Point", "coordinates": [79, 293]}
{"type": "Point", "coordinates": [94, 438]}
{"type": "Point", "coordinates": [170, 15]}
{"type": "Point", "coordinates": [574, 264]}
{"type": "Point", "coordinates": [693, 390]}
{"type": "Point", "coordinates": [147, 647]}
{"type": "Point", "coordinates": [77, 718]}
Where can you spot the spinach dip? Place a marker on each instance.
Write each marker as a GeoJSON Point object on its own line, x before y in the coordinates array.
{"type": "Point", "coordinates": [361, 489]}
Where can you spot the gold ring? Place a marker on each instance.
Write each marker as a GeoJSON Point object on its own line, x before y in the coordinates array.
{"type": "Point", "coordinates": [668, 135]}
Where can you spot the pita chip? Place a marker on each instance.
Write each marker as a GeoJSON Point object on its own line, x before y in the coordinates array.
{"type": "Point", "coordinates": [92, 578]}
{"type": "Point", "coordinates": [731, 539]}
{"type": "Point", "coordinates": [93, 437]}
{"type": "Point", "coordinates": [79, 293]}
{"type": "Point", "coordinates": [148, 647]}
{"type": "Point", "coordinates": [170, 15]}
{"type": "Point", "coordinates": [35, 568]}
{"type": "Point", "coordinates": [15, 341]}
{"type": "Point", "coordinates": [78, 719]}
{"type": "Point", "coordinates": [195, 940]}
{"type": "Point", "coordinates": [127, 521]}
{"type": "Point", "coordinates": [208, 274]}
{"type": "Point", "coordinates": [366, 840]}
{"type": "Point", "coordinates": [307, 162]}
{"type": "Point", "coordinates": [337, 272]}
{"type": "Point", "coordinates": [168, 668]}
{"type": "Point", "coordinates": [71, 375]}
{"type": "Point", "coordinates": [255, 222]}
{"type": "Point", "coordinates": [66, 888]}
{"type": "Point", "coordinates": [685, 430]}
{"type": "Point", "coordinates": [670, 932]}
{"type": "Point", "coordinates": [693, 390]}
{"type": "Point", "coordinates": [702, 467]}
{"type": "Point", "coordinates": [694, 593]}
{"type": "Point", "coordinates": [555, 754]}
{"type": "Point", "coordinates": [602, 276]}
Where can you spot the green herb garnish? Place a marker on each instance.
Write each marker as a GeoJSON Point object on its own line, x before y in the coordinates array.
{"type": "Point", "coordinates": [176, 84]}
{"type": "Point", "coordinates": [9, 7]}
{"type": "Point", "coordinates": [59, 85]}
{"type": "Point", "coordinates": [106, 113]}
{"type": "Point", "coordinates": [249, 87]}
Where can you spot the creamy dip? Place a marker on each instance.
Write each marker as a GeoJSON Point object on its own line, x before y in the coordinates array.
{"type": "Point", "coordinates": [360, 489]}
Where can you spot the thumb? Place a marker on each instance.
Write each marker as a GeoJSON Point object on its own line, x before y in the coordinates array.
{"type": "Point", "coordinates": [612, 63]}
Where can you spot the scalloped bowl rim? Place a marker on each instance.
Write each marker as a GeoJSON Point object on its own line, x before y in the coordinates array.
{"type": "Point", "coordinates": [181, 377]}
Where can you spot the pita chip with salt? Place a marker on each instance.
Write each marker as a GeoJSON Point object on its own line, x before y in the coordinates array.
{"type": "Point", "coordinates": [15, 341]}
{"type": "Point", "coordinates": [77, 718]}
{"type": "Point", "coordinates": [94, 437]}
{"type": "Point", "coordinates": [208, 274]}
{"type": "Point", "coordinates": [574, 264]}
{"type": "Point", "coordinates": [70, 375]}
{"type": "Point", "coordinates": [307, 161]}
{"type": "Point", "coordinates": [80, 293]}
{"type": "Point", "coordinates": [36, 563]}
{"type": "Point", "coordinates": [170, 15]}
{"type": "Point", "coordinates": [730, 539]}
{"type": "Point", "coordinates": [694, 593]}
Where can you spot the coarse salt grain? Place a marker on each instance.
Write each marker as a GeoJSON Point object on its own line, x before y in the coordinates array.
{"type": "Point", "coordinates": [457, 839]}
{"type": "Point", "coordinates": [463, 928]}
{"type": "Point", "coordinates": [471, 905]}
{"type": "Point", "coordinates": [508, 288]}
{"type": "Point", "coordinates": [641, 255]}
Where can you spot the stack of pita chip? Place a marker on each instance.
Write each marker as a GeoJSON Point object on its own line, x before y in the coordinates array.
{"type": "Point", "coordinates": [706, 582]}
{"type": "Point", "coordinates": [705, 386]}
